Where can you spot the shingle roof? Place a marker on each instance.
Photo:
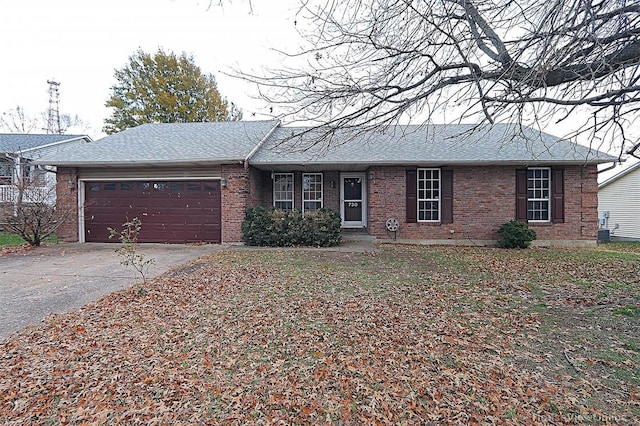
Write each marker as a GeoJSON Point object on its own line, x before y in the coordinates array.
{"type": "Point", "coordinates": [169, 143]}
{"type": "Point", "coordinates": [427, 145]}
{"type": "Point", "coordinates": [269, 146]}
{"type": "Point", "coordinates": [16, 142]}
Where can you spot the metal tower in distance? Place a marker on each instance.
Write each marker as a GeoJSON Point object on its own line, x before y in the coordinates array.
{"type": "Point", "coordinates": [53, 120]}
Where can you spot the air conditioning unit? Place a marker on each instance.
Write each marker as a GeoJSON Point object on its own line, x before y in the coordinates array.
{"type": "Point", "coordinates": [604, 236]}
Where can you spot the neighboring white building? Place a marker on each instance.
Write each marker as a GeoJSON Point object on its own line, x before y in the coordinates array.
{"type": "Point", "coordinates": [17, 150]}
{"type": "Point", "coordinates": [619, 204]}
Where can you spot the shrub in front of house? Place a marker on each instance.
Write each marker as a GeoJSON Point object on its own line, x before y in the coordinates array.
{"type": "Point", "coordinates": [286, 228]}
{"type": "Point", "coordinates": [515, 234]}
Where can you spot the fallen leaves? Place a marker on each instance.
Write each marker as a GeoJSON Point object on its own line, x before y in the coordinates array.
{"type": "Point", "coordinates": [15, 249]}
{"type": "Point", "coordinates": [403, 336]}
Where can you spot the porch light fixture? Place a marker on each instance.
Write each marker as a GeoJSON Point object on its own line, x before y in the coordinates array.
{"type": "Point", "coordinates": [223, 183]}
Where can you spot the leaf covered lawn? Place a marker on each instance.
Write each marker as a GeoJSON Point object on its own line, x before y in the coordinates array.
{"type": "Point", "coordinates": [403, 335]}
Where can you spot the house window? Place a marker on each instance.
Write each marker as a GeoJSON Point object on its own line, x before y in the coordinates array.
{"type": "Point", "coordinates": [6, 170]}
{"type": "Point", "coordinates": [283, 191]}
{"type": "Point", "coordinates": [33, 174]}
{"type": "Point", "coordinates": [311, 191]}
{"type": "Point", "coordinates": [539, 194]}
{"type": "Point", "coordinates": [428, 195]}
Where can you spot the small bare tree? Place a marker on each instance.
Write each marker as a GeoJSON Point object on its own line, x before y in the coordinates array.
{"type": "Point", "coordinates": [37, 213]}
{"type": "Point", "coordinates": [128, 251]}
{"type": "Point", "coordinates": [368, 64]}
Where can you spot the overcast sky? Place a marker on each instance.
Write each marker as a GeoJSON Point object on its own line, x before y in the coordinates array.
{"type": "Point", "coordinates": [80, 43]}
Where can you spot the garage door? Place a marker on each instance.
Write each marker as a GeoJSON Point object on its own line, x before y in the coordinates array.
{"type": "Point", "coordinates": [170, 211]}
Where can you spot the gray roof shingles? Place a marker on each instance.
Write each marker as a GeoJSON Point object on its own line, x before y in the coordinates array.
{"type": "Point", "coordinates": [16, 142]}
{"type": "Point", "coordinates": [169, 143]}
{"type": "Point", "coordinates": [428, 144]}
{"type": "Point", "coordinates": [200, 143]}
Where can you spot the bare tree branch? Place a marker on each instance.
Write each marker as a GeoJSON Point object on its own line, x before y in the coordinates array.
{"type": "Point", "coordinates": [373, 63]}
{"type": "Point", "coordinates": [18, 121]}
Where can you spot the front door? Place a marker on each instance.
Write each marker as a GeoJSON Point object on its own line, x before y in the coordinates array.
{"type": "Point", "coordinates": [353, 200]}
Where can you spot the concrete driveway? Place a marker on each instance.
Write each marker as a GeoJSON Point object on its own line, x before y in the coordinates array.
{"type": "Point", "coordinates": [64, 277]}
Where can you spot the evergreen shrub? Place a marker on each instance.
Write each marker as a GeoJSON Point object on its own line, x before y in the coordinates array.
{"type": "Point", "coordinates": [286, 228]}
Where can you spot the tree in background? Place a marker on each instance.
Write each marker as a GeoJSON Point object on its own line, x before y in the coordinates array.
{"type": "Point", "coordinates": [165, 88]}
{"type": "Point", "coordinates": [369, 64]}
{"type": "Point", "coordinates": [17, 120]}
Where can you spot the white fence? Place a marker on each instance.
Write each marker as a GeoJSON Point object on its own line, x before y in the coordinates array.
{"type": "Point", "coordinates": [36, 194]}
{"type": "Point", "coordinates": [8, 194]}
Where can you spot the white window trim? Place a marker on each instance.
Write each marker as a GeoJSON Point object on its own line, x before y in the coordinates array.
{"type": "Point", "coordinates": [321, 200]}
{"type": "Point", "coordinates": [547, 200]}
{"type": "Point", "coordinates": [293, 190]}
{"type": "Point", "coordinates": [439, 199]}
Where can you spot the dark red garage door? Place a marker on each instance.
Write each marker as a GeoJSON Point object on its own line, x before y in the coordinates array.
{"type": "Point", "coordinates": [170, 211]}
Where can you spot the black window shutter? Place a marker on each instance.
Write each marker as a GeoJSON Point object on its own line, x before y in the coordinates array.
{"type": "Point", "coordinates": [521, 195]}
{"type": "Point", "coordinates": [446, 209]}
{"type": "Point", "coordinates": [557, 194]}
{"type": "Point", "coordinates": [412, 196]}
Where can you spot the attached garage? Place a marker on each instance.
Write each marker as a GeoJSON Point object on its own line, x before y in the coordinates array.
{"type": "Point", "coordinates": [170, 211]}
{"type": "Point", "coordinates": [186, 182]}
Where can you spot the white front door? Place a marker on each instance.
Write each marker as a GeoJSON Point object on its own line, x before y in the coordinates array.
{"type": "Point", "coordinates": [353, 200]}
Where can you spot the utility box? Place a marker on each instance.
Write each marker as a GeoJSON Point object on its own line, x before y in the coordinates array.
{"type": "Point", "coordinates": [603, 236]}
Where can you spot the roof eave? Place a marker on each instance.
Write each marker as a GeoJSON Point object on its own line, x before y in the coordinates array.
{"type": "Point", "coordinates": [141, 163]}
{"type": "Point", "coordinates": [36, 148]}
{"type": "Point", "coordinates": [432, 162]}
{"type": "Point", "coordinates": [619, 175]}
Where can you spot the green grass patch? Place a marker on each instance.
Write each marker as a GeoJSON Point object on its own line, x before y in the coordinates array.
{"type": "Point", "coordinates": [621, 246]}
{"type": "Point", "coordinates": [10, 240]}
{"type": "Point", "coordinates": [632, 311]}
{"type": "Point", "coordinates": [15, 240]}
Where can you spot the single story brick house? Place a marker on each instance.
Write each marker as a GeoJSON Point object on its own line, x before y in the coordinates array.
{"type": "Point", "coordinates": [442, 183]}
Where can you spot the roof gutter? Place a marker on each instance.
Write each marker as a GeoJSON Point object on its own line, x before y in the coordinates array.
{"type": "Point", "coordinates": [612, 166]}
{"type": "Point", "coordinates": [259, 145]}
{"type": "Point", "coordinates": [618, 175]}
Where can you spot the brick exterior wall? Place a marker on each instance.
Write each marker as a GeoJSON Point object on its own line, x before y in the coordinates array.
{"type": "Point", "coordinates": [260, 189]}
{"type": "Point", "coordinates": [67, 199]}
{"type": "Point", "coordinates": [235, 199]}
{"type": "Point", "coordinates": [483, 199]}
{"type": "Point", "coordinates": [331, 196]}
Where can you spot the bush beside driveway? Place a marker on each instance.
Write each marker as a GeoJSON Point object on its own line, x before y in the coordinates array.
{"type": "Point", "coordinates": [403, 335]}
